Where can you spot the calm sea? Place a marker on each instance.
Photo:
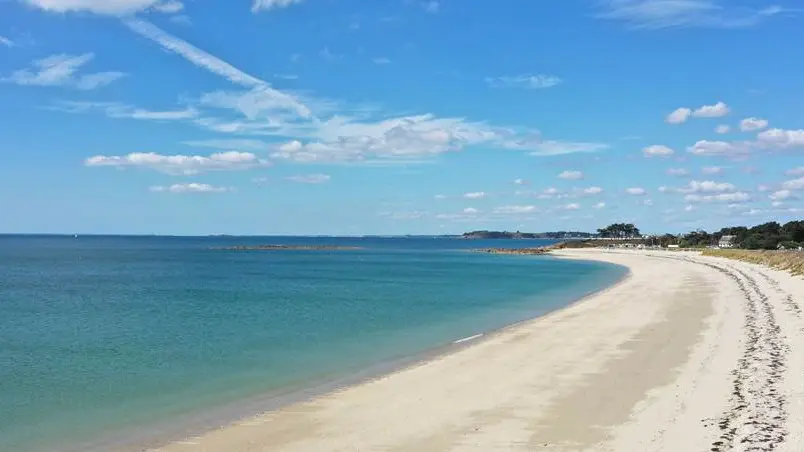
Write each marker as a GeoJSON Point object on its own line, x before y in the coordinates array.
{"type": "Point", "coordinates": [105, 337]}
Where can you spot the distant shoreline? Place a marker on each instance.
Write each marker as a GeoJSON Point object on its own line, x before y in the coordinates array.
{"type": "Point", "coordinates": [288, 248]}
{"type": "Point", "coordinates": [523, 251]}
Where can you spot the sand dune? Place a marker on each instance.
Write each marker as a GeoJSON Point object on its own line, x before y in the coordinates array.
{"type": "Point", "coordinates": [689, 353]}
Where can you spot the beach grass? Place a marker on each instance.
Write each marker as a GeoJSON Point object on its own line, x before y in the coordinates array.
{"type": "Point", "coordinates": [792, 261]}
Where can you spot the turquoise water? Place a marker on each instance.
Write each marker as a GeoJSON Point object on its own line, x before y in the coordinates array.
{"type": "Point", "coordinates": [105, 335]}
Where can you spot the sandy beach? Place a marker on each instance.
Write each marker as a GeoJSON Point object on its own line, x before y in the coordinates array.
{"type": "Point", "coordinates": [688, 353]}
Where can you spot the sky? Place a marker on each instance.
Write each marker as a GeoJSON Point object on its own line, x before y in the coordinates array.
{"type": "Point", "coordinates": [350, 117]}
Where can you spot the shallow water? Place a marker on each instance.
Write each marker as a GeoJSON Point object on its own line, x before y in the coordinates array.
{"type": "Point", "coordinates": [104, 334]}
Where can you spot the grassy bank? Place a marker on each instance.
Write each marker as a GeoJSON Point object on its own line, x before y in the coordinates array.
{"type": "Point", "coordinates": [792, 261]}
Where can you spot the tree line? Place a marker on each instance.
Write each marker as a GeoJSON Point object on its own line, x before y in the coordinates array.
{"type": "Point", "coordinates": [767, 236]}
{"type": "Point", "coordinates": [619, 231]}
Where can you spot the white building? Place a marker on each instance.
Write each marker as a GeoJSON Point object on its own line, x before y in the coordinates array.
{"type": "Point", "coordinates": [727, 241]}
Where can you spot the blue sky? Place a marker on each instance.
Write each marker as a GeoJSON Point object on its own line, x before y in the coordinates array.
{"type": "Point", "coordinates": [398, 116]}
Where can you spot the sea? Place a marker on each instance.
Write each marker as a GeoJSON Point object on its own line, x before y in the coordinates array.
{"type": "Point", "coordinates": [110, 342]}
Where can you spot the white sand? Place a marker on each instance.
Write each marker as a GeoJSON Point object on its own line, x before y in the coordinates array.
{"type": "Point", "coordinates": [687, 354]}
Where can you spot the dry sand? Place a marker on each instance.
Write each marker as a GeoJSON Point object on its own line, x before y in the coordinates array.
{"type": "Point", "coordinates": [688, 353]}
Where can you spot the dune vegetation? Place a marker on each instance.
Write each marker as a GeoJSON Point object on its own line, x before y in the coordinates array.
{"type": "Point", "coordinates": [792, 261]}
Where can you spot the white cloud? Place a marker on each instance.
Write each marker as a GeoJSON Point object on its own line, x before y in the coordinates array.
{"type": "Point", "coordinates": [440, 197]}
{"type": "Point", "coordinates": [193, 54]}
{"type": "Point", "coordinates": [397, 138]}
{"type": "Point", "coordinates": [636, 191]}
{"type": "Point", "coordinates": [231, 145]}
{"type": "Point", "coordinates": [431, 6]}
{"type": "Point", "coordinates": [256, 104]}
{"type": "Point", "coordinates": [752, 212]}
{"type": "Point", "coordinates": [6, 42]}
{"type": "Point", "coordinates": [600, 205]}
{"type": "Point", "coordinates": [708, 187]}
{"type": "Point", "coordinates": [192, 187]}
{"type": "Point", "coordinates": [712, 170]}
{"type": "Point", "coordinates": [344, 139]}
{"type": "Point", "coordinates": [717, 110]}
{"type": "Point", "coordinates": [795, 171]}
{"type": "Point", "coordinates": [169, 7]}
{"type": "Point", "coordinates": [97, 80]}
{"type": "Point", "coordinates": [659, 14]}
{"type": "Point", "coordinates": [164, 115]}
{"type": "Point", "coordinates": [571, 175]}
{"type": "Point", "coordinates": [475, 195]}
{"type": "Point", "coordinates": [658, 150]}
{"type": "Point", "coordinates": [723, 129]}
{"type": "Point", "coordinates": [310, 178]}
{"type": "Point", "coordinates": [267, 5]}
{"type": "Point", "coordinates": [515, 210]}
{"type": "Point", "coordinates": [735, 197]}
{"type": "Point", "coordinates": [701, 187]}
{"type": "Point", "coordinates": [689, 208]}
{"type": "Point", "coordinates": [259, 88]}
{"type": "Point", "coordinates": [719, 148]}
{"type": "Point", "coordinates": [471, 211]}
{"type": "Point", "coordinates": [520, 182]}
{"type": "Point", "coordinates": [181, 164]}
{"type": "Point", "coordinates": [677, 172]}
{"type": "Point", "coordinates": [61, 70]}
{"type": "Point", "coordinates": [550, 147]}
{"type": "Point", "coordinates": [572, 206]}
{"type": "Point", "coordinates": [525, 81]}
{"type": "Point", "coordinates": [781, 195]}
{"type": "Point", "coordinates": [592, 191]}
{"type": "Point", "coordinates": [411, 215]}
{"type": "Point", "coordinates": [550, 193]}
{"type": "Point", "coordinates": [109, 7]}
{"type": "Point", "coordinates": [268, 126]}
{"type": "Point", "coordinates": [781, 138]}
{"type": "Point", "coordinates": [795, 184]}
{"type": "Point", "coordinates": [753, 124]}
{"type": "Point", "coordinates": [117, 110]}
{"type": "Point", "coordinates": [679, 116]}
{"type": "Point", "coordinates": [381, 60]}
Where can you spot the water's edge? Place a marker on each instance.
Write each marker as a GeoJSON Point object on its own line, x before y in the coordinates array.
{"type": "Point", "coordinates": [139, 439]}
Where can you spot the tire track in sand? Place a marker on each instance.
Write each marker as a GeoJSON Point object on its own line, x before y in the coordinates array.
{"type": "Point", "coordinates": [756, 416]}
{"type": "Point", "coordinates": [787, 298]}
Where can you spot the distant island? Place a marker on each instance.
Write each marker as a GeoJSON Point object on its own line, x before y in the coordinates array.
{"type": "Point", "coordinates": [527, 235]}
{"type": "Point", "coordinates": [289, 248]}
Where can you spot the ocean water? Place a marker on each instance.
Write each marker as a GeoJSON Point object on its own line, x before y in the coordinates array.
{"type": "Point", "coordinates": [105, 337]}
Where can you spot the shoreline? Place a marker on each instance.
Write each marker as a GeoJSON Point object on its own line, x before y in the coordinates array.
{"type": "Point", "coordinates": [239, 411]}
{"type": "Point", "coordinates": [694, 353]}
{"type": "Point", "coordinates": [330, 387]}
{"type": "Point", "coordinates": [659, 374]}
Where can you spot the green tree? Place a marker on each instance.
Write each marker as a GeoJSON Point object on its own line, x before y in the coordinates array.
{"type": "Point", "coordinates": [619, 230]}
